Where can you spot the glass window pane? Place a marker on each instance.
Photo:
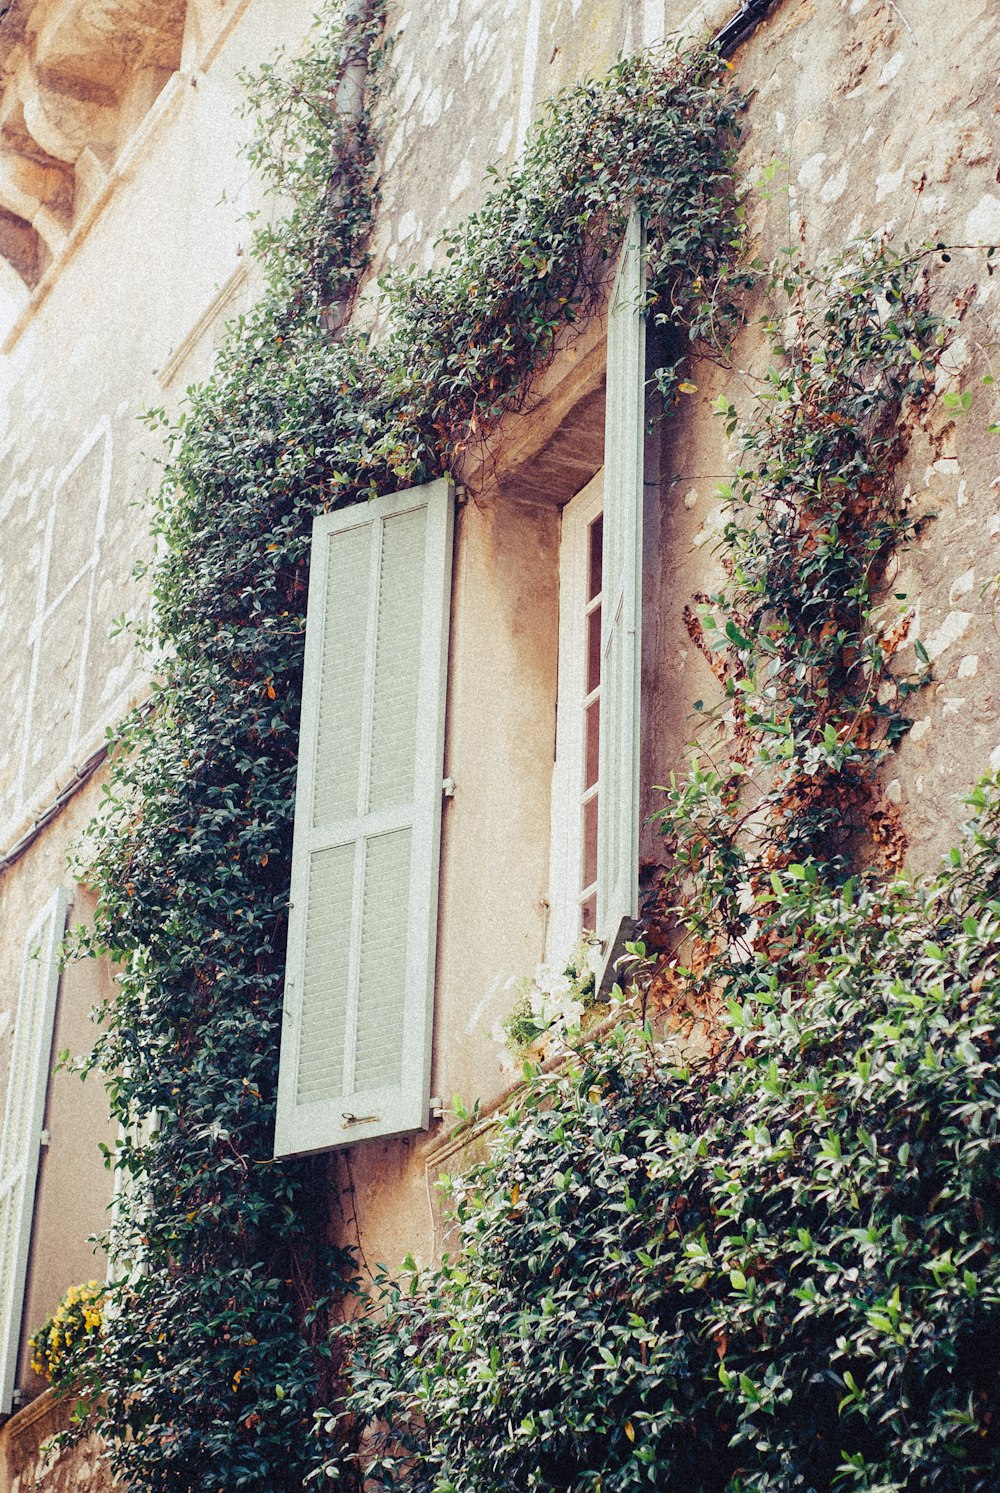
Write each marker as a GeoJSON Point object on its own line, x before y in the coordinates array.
{"type": "Point", "coordinates": [590, 841]}
{"type": "Point", "coordinates": [593, 649]}
{"type": "Point", "coordinates": [596, 556]}
{"type": "Point", "coordinates": [592, 732]}
{"type": "Point", "coordinates": [588, 914]}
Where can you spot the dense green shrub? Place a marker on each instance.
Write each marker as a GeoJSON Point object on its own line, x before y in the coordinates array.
{"type": "Point", "coordinates": [778, 1270]}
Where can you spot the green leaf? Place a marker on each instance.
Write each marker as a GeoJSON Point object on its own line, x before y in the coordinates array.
{"type": "Point", "coordinates": [735, 636]}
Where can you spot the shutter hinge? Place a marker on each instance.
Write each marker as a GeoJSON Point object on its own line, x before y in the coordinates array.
{"type": "Point", "coordinates": [448, 787]}
{"type": "Point", "coordinates": [437, 1108]}
{"type": "Point", "coordinates": [44, 1138]}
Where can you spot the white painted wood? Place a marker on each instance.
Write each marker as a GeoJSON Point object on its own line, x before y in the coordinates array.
{"type": "Point", "coordinates": [24, 1112]}
{"type": "Point", "coordinates": [359, 980]}
{"type": "Point", "coordinates": [618, 805]}
{"type": "Point", "coordinates": [566, 855]}
{"type": "Point", "coordinates": [123, 1225]}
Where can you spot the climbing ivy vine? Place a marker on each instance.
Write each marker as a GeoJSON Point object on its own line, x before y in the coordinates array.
{"type": "Point", "coordinates": [772, 1269]}
{"type": "Point", "coordinates": [768, 1261]}
{"type": "Point", "coordinates": [217, 1346]}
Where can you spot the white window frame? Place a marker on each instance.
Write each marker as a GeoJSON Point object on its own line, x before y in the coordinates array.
{"type": "Point", "coordinates": [622, 487]}
{"type": "Point", "coordinates": [566, 856]}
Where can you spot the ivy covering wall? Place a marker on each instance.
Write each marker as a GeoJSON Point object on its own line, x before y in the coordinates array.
{"type": "Point", "coordinates": [772, 1270]}
{"type": "Point", "coordinates": [774, 1267]}
{"type": "Point", "coordinates": [216, 1349]}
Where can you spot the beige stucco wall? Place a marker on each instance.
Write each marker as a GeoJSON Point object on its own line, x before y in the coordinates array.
{"type": "Point", "coordinates": [865, 115]}
{"type": "Point", "coordinates": [74, 1186]}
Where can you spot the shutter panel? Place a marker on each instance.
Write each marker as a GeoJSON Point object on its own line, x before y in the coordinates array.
{"type": "Point", "coordinates": [127, 1213]}
{"type": "Point", "coordinates": [359, 978]}
{"type": "Point", "coordinates": [24, 1114]}
{"type": "Point", "coordinates": [621, 625]}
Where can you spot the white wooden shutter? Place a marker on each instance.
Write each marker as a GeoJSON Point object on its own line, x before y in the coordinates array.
{"type": "Point", "coordinates": [126, 1254]}
{"type": "Point", "coordinates": [621, 623]}
{"type": "Point", "coordinates": [359, 979]}
{"type": "Point", "coordinates": [24, 1113]}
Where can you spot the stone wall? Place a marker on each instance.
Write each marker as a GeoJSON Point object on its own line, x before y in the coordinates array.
{"type": "Point", "coordinates": [865, 116]}
{"type": "Point", "coordinates": [873, 118]}
{"type": "Point", "coordinates": [29, 1463]}
{"type": "Point", "coordinates": [863, 119]}
{"type": "Point", "coordinates": [88, 352]}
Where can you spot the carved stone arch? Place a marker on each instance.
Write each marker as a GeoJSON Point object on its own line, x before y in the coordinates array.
{"type": "Point", "coordinates": [41, 176]}
{"type": "Point", "coordinates": [65, 126]}
{"type": "Point", "coordinates": [76, 77]}
{"type": "Point", "coordinates": [90, 50]}
{"type": "Point", "coordinates": [21, 246]}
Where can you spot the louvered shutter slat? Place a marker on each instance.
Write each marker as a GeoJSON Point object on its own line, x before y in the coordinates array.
{"type": "Point", "coordinates": [396, 675]}
{"type": "Point", "coordinates": [618, 799]}
{"type": "Point", "coordinates": [361, 944]}
{"type": "Point", "coordinates": [382, 976]}
{"type": "Point", "coordinates": [342, 676]}
{"type": "Point", "coordinates": [24, 1114]}
{"type": "Point", "coordinates": [324, 1017]}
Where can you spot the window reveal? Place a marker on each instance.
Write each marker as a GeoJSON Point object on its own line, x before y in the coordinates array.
{"type": "Point", "coordinates": [576, 777]}
{"type": "Point", "coordinates": [592, 723]}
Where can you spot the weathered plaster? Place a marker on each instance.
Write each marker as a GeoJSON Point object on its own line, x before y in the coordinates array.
{"type": "Point", "coordinates": [127, 313]}
{"type": "Point", "coordinates": [865, 116]}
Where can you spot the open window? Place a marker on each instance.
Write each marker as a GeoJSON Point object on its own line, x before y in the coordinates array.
{"type": "Point", "coordinates": [595, 801]}
{"type": "Point", "coordinates": [360, 970]}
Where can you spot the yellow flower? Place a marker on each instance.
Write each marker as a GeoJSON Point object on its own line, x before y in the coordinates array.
{"type": "Point", "coordinates": [77, 1318]}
